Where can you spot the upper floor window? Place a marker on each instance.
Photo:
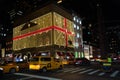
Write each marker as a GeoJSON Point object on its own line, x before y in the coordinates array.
{"type": "Point", "coordinates": [78, 27]}
{"type": "Point", "coordinates": [74, 18]}
{"type": "Point", "coordinates": [80, 22]}
{"type": "Point", "coordinates": [78, 35]}
{"type": "Point", "coordinates": [74, 26]}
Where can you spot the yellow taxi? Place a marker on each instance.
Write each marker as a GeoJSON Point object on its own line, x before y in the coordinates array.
{"type": "Point", "coordinates": [68, 61]}
{"type": "Point", "coordinates": [22, 65]}
{"type": "Point", "coordinates": [44, 63]}
{"type": "Point", "coordinates": [65, 61]}
{"type": "Point", "coordinates": [9, 67]}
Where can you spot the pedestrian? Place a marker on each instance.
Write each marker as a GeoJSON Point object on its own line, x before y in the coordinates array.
{"type": "Point", "coordinates": [107, 66]}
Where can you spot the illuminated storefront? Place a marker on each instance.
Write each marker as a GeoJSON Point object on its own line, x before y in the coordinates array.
{"type": "Point", "coordinates": [50, 32]}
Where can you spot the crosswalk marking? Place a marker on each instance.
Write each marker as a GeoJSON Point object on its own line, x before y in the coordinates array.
{"type": "Point", "coordinates": [85, 71]}
{"type": "Point", "coordinates": [67, 68]}
{"type": "Point", "coordinates": [93, 72]}
{"type": "Point", "coordinates": [114, 74]}
{"type": "Point", "coordinates": [70, 69]}
{"type": "Point", "coordinates": [90, 71]}
{"type": "Point", "coordinates": [78, 70]}
{"type": "Point", "coordinates": [101, 74]}
{"type": "Point", "coordinates": [36, 76]}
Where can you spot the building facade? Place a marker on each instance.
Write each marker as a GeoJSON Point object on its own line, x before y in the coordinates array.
{"type": "Point", "coordinates": [112, 40]}
{"type": "Point", "coordinates": [78, 45]}
{"type": "Point", "coordinates": [48, 31]}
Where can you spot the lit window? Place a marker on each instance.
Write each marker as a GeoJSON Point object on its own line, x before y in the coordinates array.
{"type": "Point", "coordinates": [1, 34]}
{"type": "Point", "coordinates": [77, 20]}
{"type": "Point", "coordinates": [35, 22]}
{"type": "Point", "coordinates": [2, 28]}
{"type": "Point", "coordinates": [4, 34]}
{"type": "Point", "coordinates": [89, 33]}
{"type": "Point", "coordinates": [78, 28]}
{"type": "Point", "coordinates": [74, 26]}
{"type": "Point", "coordinates": [78, 35]}
{"type": "Point", "coordinates": [74, 18]}
{"type": "Point", "coordinates": [76, 45]}
{"type": "Point", "coordinates": [111, 48]}
{"type": "Point", "coordinates": [80, 22]}
{"type": "Point", "coordinates": [28, 25]}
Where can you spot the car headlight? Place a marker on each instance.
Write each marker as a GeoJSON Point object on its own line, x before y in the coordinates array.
{"type": "Point", "coordinates": [1, 68]}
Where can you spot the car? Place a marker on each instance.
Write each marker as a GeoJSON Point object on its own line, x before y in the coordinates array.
{"type": "Point", "coordinates": [23, 65]}
{"type": "Point", "coordinates": [71, 61]}
{"type": "Point", "coordinates": [81, 61]}
{"type": "Point", "coordinates": [67, 61]}
{"type": "Point", "coordinates": [44, 63]}
{"type": "Point", "coordinates": [6, 67]}
{"type": "Point", "coordinates": [1, 72]}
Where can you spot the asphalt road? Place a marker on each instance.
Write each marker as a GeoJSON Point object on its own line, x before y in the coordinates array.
{"type": "Point", "coordinates": [68, 73]}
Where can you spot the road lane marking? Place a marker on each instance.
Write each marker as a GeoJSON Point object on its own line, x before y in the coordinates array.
{"type": "Point", "coordinates": [59, 71]}
{"type": "Point", "coordinates": [85, 71]}
{"type": "Point", "coordinates": [114, 74]}
{"type": "Point", "coordinates": [67, 68]}
{"type": "Point", "coordinates": [70, 70]}
{"type": "Point", "coordinates": [36, 76]}
{"type": "Point", "coordinates": [25, 78]}
{"type": "Point", "coordinates": [78, 70]}
{"type": "Point", "coordinates": [101, 74]}
{"type": "Point", "coordinates": [93, 72]}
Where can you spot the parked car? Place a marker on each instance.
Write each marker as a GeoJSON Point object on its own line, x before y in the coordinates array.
{"type": "Point", "coordinates": [81, 61]}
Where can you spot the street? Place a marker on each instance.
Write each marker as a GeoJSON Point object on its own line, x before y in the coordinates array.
{"type": "Point", "coordinates": [69, 72]}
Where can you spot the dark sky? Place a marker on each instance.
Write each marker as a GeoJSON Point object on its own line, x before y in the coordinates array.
{"type": "Point", "coordinates": [110, 8]}
{"type": "Point", "coordinates": [85, 8]}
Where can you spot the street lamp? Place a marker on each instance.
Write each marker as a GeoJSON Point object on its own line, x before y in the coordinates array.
{"type": "Point", "coordinates": [59, 1]}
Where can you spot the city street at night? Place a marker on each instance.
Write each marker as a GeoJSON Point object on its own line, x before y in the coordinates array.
{"type": "Point", "coordinates": [70, 72]}
{"type": "Point", "coordinates": [59, 40]}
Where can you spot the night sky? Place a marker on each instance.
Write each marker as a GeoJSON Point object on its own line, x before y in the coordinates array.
{"type": "Point", "coordinates": [87, 9]}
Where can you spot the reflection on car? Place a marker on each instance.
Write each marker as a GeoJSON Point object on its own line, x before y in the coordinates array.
{"type": "Point", "coordinates": [81, 61]}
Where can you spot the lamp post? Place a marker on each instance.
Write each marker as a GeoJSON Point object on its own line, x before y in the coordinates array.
{"type": "Point", "coordinates": [59, 1]}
